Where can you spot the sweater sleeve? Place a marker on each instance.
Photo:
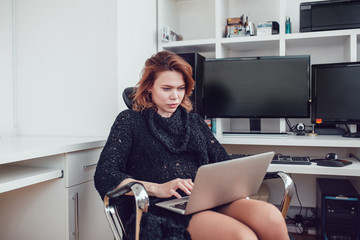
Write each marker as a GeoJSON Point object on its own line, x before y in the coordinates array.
{"type": "Point", "coordinates": [111, 167]}
{"type": "Point", "coordinates": [216, 152]}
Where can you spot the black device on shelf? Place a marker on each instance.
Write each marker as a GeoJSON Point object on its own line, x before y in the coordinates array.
{"type": "Point", "coordinates": [337, 203]}
{"type": "Point", "coordinates": [335, 97]}
{"type": "Point", "coordinates": [196, 61]}
{"type": "Point", "coordinates": [257, 87]}
{"type": "Point", "coordinates": [329, 15]}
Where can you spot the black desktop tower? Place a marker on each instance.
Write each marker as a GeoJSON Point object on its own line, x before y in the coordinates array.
{"type": "Point", "coordinates": [337, 204]}
{"type": "Point", "coordinates": [197, 62]}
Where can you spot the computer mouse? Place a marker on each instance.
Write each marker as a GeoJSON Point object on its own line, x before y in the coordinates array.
{"type": "Point", "coordinates": [330, 163]}
{"type": "Point", "coordinates": [331, 156]}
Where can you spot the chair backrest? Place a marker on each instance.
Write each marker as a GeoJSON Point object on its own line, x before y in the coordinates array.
{"type": "Point", "coordinates": [127, 96]}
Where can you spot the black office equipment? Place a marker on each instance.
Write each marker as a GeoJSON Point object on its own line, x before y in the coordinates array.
{"type": "Point", "coordinates": [337, 204]}
{"type": "Point", "coordinates": [197, 63]}
{"type": "Point", "coordinates": [335, 96]}
{"type": "Point", "coordinates": [257, 87]}
{"type": "Point", "coordinates": [329, 15]}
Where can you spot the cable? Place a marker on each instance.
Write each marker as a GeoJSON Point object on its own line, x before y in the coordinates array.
{"type": "Point", "coordinates": [297, 196]}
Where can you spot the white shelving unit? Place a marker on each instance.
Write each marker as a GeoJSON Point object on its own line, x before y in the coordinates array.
{"type": "Point", "coordinates": [202, 24]}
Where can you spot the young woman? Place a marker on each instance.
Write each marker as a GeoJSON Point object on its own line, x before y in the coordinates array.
{"type": "Point", "coordinates": [160, 144]}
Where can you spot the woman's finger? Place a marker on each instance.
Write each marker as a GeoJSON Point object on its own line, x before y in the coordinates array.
{"type": "Point", "coordinates": [175, 193]}
{"type": "Point", "coordinates": [188, 185]}
{"type": "Point", "coordinates": [190, 182]}
{"type": "Point", "coordinates": [185, 189]}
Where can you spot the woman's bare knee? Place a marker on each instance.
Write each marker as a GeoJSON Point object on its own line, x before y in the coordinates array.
{"type": "Point", "coordinates": [213, 225]}
{"type": "Point", "coordinates": [263, 218]}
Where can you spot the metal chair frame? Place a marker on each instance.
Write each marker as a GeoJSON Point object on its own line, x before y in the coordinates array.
{"type": "Point", "coordinates": [142, 203]}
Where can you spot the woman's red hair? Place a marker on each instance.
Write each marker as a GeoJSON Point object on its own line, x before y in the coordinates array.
{"type": "Point", "coordinates": [160, 62]}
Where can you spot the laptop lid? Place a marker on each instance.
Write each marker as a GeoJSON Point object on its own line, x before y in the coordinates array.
{"type": "Point", "coordinates": [220, 183]}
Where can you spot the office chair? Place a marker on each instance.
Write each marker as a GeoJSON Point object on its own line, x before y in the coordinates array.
{"type": "Point", "coordinates": [142, 200]}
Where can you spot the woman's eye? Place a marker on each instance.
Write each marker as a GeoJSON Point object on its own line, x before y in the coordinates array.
{"type": "Point", "coordinates": [166, 89]}
{"type": "Point", "coordinates": [181, 88]}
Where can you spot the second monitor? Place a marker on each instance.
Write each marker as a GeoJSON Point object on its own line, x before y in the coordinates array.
{"type": "Point", "coordinates": [257, 87]}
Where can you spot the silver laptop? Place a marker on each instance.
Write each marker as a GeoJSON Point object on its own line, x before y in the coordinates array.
{"type": "Point", "coordinates": [220, 183]}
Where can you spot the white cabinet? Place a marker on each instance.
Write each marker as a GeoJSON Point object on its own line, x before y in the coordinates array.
{"type": "Point", "coordinates": [86, 218]}
{"type": "Point", "coordinates": [34, 212]}
{"type": "Point", "coordinates": [85, 213]}
{"type": "Point", "coordinates": [47, 189]}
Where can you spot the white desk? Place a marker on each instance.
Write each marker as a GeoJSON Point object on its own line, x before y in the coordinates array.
{"type": "Point", "coordinates": [17, 149]}
{"type": "Point", "coordinates": [303, 175]}
{"type": "Point", "coordinates": [47, 189]}
{"type": "Point", "coordinates": [41, 174]}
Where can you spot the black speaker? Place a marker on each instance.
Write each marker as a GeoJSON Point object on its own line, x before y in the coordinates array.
{"type": "Point", "coordinates": [337, 205]}
{"type": "Point", "coordinates": [197, 63]}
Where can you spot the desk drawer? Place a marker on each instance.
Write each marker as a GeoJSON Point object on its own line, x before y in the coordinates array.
{"type": "Point", "coordinates": [80, 166]}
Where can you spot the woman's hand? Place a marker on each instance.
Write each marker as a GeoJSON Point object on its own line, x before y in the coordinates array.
{"type": "Point", "coordinates": [168, 189]}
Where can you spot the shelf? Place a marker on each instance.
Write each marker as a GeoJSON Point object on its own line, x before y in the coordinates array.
{"type": "Point", "coordinates": [252, 43]}
{"type": "Point", "coordinates": [313, 169]}
{"type": "Point", "coordinates": [289, 140]}
{"type": "Point", "coordinates": [205, 45]}
{"type": "Point", "coordinates": [322, 34]}
{"type": "Point", "coordinates": [14, 177]}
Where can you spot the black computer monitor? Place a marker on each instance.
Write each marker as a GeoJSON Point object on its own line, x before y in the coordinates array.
{"type": "Point", "coordinates": [257, 87]}
{"type": "Point", "coordinates": [335, 94]}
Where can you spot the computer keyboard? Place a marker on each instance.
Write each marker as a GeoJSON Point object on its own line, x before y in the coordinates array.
{"type": "Point", "coordinates": [282, 159]}
{"type": "Point", "coordinates": [180, 205]}
{"type": "Point", "coordinates": [287, 159]}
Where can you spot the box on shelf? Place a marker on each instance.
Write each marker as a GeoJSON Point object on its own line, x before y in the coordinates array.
{"type": "Point", "coordinates": [234, 21]}
{"type": "Point", "coordinates": [268, 28]}
{"type": "Point", "coordinates": [169, 35]}
{"type": "Point", "coordinates": [238, 27]}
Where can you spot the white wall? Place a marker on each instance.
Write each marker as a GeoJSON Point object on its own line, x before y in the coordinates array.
{"type": "Point", "coordinates": [6, 68]}
{"type": "Point", "coordinates": [66, 57]}
{"type": "Point", "coordinates": [72, 59]}
{"type": "Point", "coordinates": [137, 32]}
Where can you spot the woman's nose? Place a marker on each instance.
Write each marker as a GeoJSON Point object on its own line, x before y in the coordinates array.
{"type": "Point", "coordinates": [174, 94]}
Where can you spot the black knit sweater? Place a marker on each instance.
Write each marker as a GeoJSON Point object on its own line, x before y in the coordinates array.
{"type": "Point", "coordinates": [147, 147]}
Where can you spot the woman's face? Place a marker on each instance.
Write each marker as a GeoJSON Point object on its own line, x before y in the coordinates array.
{"type": "Point", "coordinates": [168, 92]}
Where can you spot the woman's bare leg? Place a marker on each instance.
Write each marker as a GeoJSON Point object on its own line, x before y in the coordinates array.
{"type": "Point", "coordinates": [263, 218]}
{"type": "Point", "coordinates": [214, 225]}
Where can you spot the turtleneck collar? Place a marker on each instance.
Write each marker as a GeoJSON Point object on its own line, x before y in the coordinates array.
{"type": "Point", "coordinates": [172, 132]}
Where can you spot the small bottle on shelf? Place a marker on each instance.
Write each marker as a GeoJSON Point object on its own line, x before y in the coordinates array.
{"type": "Point", "coordinates": [288, 25]}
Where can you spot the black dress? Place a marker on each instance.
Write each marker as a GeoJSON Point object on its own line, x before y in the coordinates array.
{"type": "Point", "coordinates": [147, 147]}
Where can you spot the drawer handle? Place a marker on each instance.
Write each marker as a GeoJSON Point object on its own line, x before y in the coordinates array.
{"type": "Point", "coordinates": [89, 166]}
{"type": "Point", "coordinates": [76, 200]}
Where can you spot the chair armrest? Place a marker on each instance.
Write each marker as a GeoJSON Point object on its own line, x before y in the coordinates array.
{"type": "Point", "coordinates": [141, 202]}
{"type": "Point", "coordinates": [289, 189]}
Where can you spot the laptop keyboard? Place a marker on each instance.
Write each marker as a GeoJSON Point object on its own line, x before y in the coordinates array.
{"type": "Point", "coordinates": [181, 206]}
{"type": "Point", "coordinates": [286, 159]}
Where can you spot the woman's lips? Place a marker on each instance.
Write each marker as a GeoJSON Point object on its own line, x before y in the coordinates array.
{"type": "Point", "coordinates": [173, 105]}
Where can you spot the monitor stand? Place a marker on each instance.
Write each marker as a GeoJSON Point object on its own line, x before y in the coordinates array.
{"type": "Point", "coordinates": [329, 129]}
{"type": "Point", "coordinates": [255, 125]}
{"type": "Point", "coordinates": [353, 134]}
{"type": "Point", "coordinates": [255, 128]}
